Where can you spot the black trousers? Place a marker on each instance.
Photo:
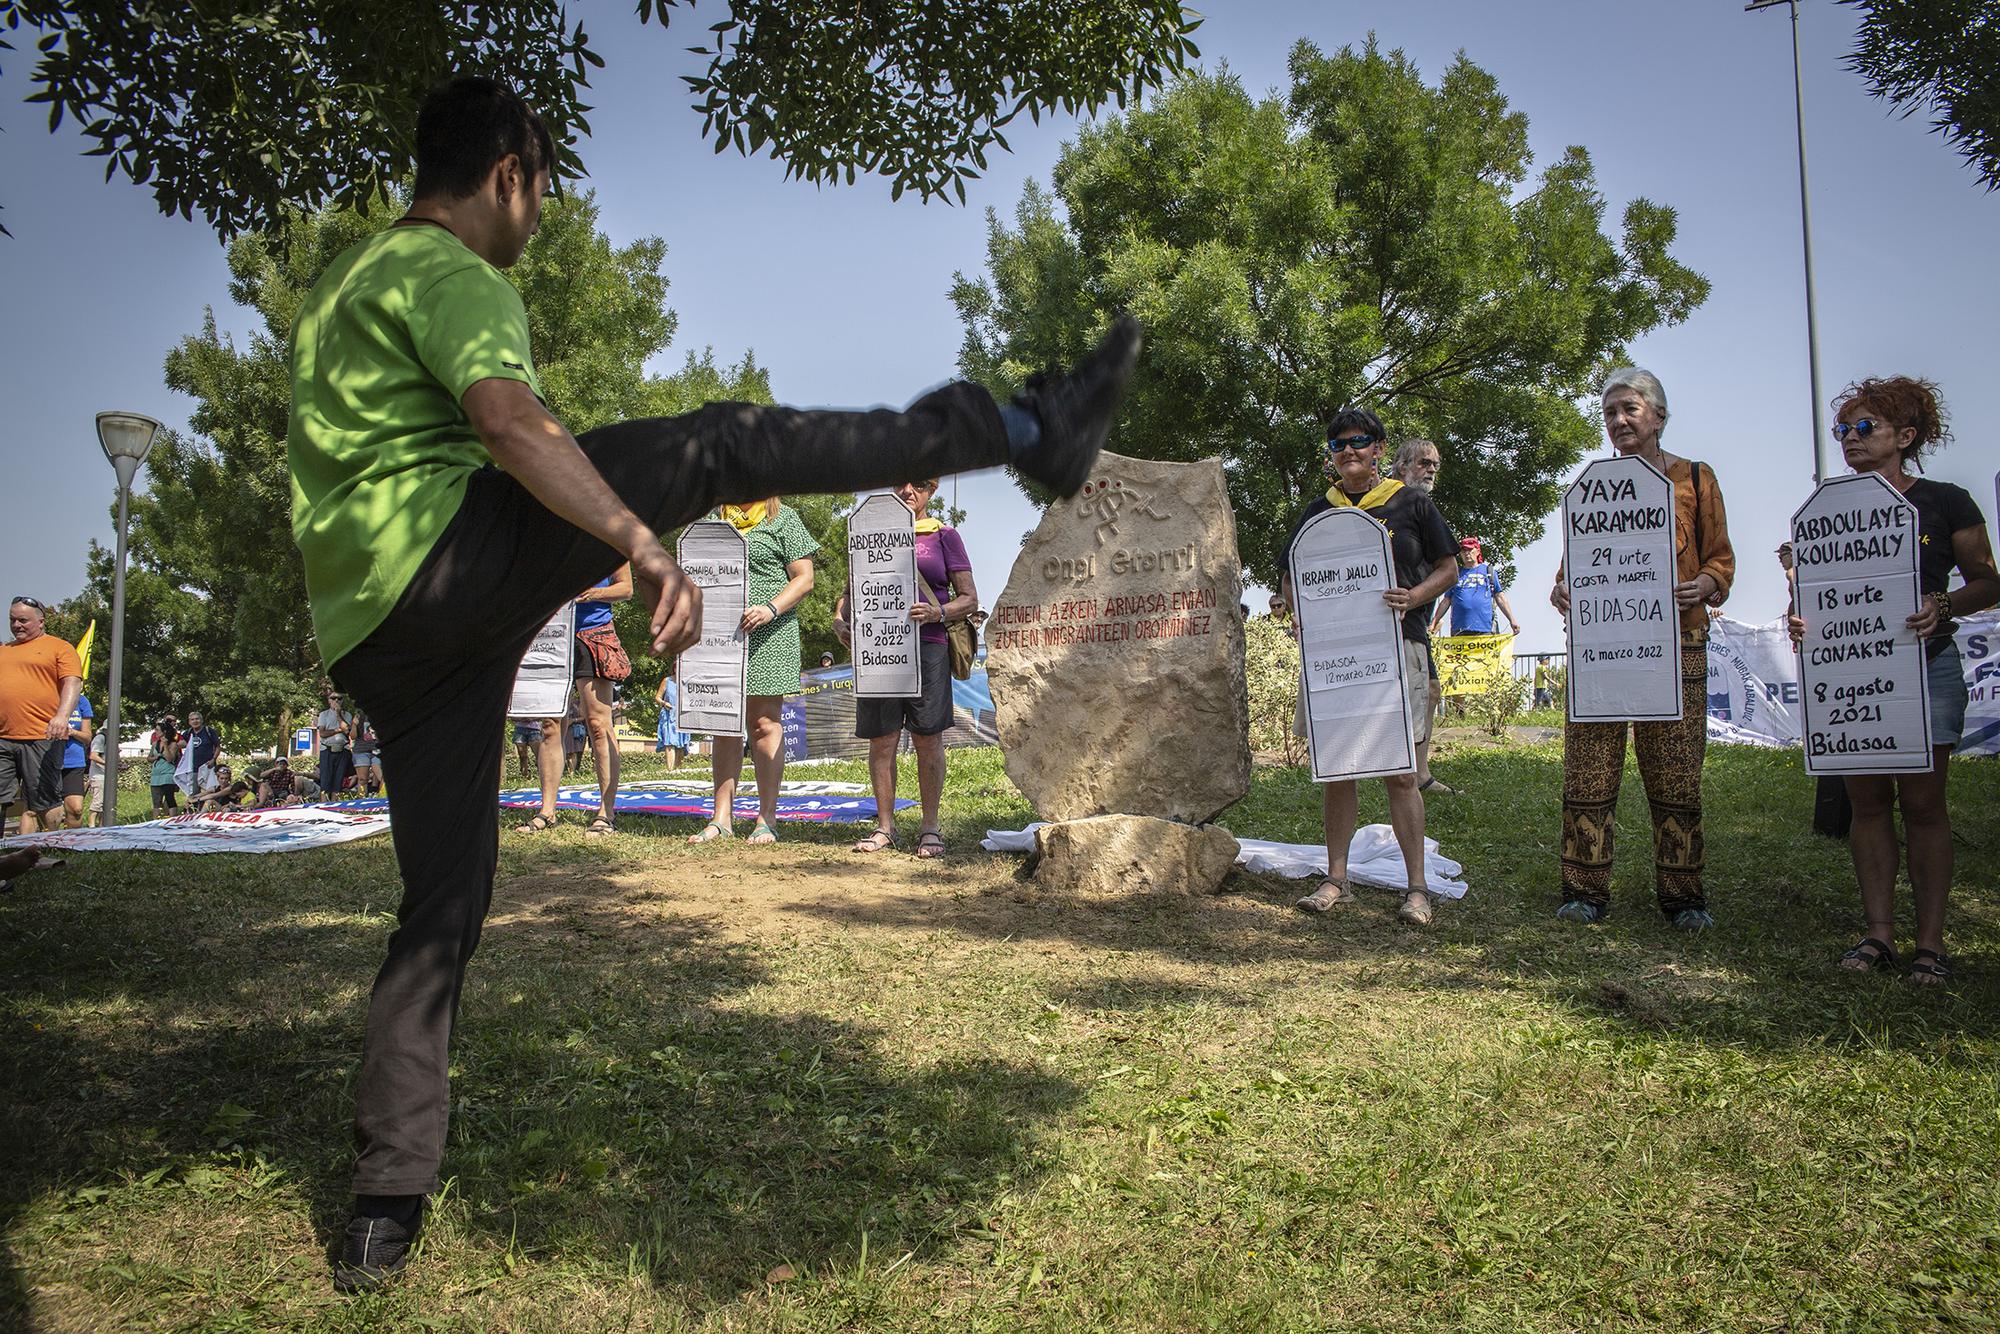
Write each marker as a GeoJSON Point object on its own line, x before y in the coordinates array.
{"type": "Point", "coordinates": [435, 677]}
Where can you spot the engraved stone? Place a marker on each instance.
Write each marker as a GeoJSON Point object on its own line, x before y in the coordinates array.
{"type": "Point", "coordinates": [1116, 653]}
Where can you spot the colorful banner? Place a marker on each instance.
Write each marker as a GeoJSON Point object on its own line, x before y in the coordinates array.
{"type": "Point", "coordinates": [284, 829]}
{"type": "Point", "coordinates": [1472, 664]}
{"type": "Point", "coordinates": [797, 800]}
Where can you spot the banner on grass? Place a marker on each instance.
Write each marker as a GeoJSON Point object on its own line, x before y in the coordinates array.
{"type": "Point", "coordinates": [283, 829]}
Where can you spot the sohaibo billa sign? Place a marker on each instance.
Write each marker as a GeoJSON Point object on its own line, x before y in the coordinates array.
{"type": "Point", "coordinates": [713, 673]}
{"type": "Point", "coordinates": [881, 589]}
{"type": "Point", "coordinates": [1351, 668]}
{"type": "Point", "coordinates": [1867, 707]}
{"type": "Point", "coordinates": [542, 685]}
{"type": "Point", "coordinates": [1624, 625]}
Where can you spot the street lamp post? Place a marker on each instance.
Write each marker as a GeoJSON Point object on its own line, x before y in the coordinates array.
{"type": "Point", "coordinates": [127, 437]}
{"type": "Point", "coordinates": [1805, 225]}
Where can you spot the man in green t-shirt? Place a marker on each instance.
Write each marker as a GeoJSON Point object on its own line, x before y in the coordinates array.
{"type": "Point", "coordinates": [443, 515]}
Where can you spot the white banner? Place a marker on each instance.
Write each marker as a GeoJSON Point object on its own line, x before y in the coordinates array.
{"type": "Point", "coordinates": [1624, 625]}
{"type": "Point", "coordinates": [881, 589]}
{"type": "Point", "coordinates": [714, 673]}
{"type": "Point", "coordinates": [542, 686]}
{"type": "Point", "coordinates": [282, 829]}
{"type": "Point", "coordinates": [1753, 683]}
{"type": "Point", "coordinates": [1866, 702]}
{"type": "Point", "coordinates": [1350, 648]}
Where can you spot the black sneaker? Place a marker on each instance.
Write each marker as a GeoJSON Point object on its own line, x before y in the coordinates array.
{"type": "Point", "coordinates": [1075, 410]}
{"type": "Point", "coordinates": [373, 1252]}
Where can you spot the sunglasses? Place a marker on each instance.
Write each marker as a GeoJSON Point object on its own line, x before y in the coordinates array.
{"type": "Point", "coordinates": [1863, 428]}
{"type": "Point", "coordinates": [1341, 443]}
{"type": "Point", "coordinates": [30, 602]}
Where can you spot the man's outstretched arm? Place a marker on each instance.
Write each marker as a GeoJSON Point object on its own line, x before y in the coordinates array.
{"type": "Point", "coordinates": [536, 450]}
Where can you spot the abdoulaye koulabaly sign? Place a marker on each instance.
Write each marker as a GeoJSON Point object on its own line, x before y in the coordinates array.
{"type": "Point", "coordinates": [1624, 625]}
{"type": "Point", "coordinates": [714, 671]}
{"type": "Point", "coordinates": [1351, 667]}
{"type": "Point", "coordinates": [1865, 696]}
{"type": "Point", "coordinates": [881, 589]}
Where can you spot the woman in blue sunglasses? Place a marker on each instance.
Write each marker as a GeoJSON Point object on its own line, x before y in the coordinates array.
{"type": "Point", "coordinates": [1885, 427]}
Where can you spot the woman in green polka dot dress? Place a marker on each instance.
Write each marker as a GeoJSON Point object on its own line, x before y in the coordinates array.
{"type": "Point", "coordinates": [781, 575]}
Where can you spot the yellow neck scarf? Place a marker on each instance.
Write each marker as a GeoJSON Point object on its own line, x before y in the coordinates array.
{"type": "Point", "coordinates": [1374, 500]}
{"type": "Point", "coordinates": [744, 517]}
{"type": "Point", "coordinates": [927, 524]}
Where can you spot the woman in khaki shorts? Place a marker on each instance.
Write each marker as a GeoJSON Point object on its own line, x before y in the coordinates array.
{"type": "Point", "coordinates": [1426, 565]}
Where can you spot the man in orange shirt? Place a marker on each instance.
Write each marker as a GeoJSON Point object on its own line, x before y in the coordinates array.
{"type": "Point", "coordinates": [40, 678]}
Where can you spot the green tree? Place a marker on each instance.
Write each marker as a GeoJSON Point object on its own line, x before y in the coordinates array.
{"type": "Point", "coordinates": [1940, 56]}
{"type": "Point", "coordinates": [216, 612]}
{"type": "Point", "coordinates": [243, 109]}
{"type": "Point", "coordinates": [1368, 240]}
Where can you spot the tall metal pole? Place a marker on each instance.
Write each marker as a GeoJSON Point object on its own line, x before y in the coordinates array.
{"type": "Point", "coordinates": [109, 815]}
{"type": "Point", "coordinates": [1805, 225]}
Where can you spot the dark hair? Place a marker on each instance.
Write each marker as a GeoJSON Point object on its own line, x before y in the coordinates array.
{"type": "Point", "coordinates": [1356, 419]}
{"type": "Point", "coordinates": [468, 125]}
{"type": "Point", "coordinates": [1905, 401]}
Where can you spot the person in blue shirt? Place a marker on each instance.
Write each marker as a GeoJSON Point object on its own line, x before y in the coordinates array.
{"type": "Point", "coordinates": [75, 768]}
{"type": "Point", "coordinates": [1472, 600]}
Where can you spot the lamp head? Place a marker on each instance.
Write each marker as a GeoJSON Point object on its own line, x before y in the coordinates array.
{"type": "Point", "coordinates": [127, 438]}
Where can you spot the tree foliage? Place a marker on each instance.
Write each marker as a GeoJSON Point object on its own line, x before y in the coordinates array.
{"type": "Point", "coordinates": [216, 612]}
{"type": "Point", "coordinates": [1942, 57]}
{"type": "Point", "coordinates": [241, 109]}
{"type": "Point", "coordinates": [1372, 239]}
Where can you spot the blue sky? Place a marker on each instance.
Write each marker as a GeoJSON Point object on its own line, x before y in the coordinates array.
{"type": "Point", "coordinates": [843, 295]}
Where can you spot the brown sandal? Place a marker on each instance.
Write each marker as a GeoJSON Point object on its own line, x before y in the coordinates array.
{"type": "Point", "coordinates": [879, 841]}
{"type": "Point", "coordinates": [930, 845]}
{"type": "Point", "coordinates": [541, 824]}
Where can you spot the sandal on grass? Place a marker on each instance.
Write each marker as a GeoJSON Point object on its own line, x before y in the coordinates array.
{"type": "Point", "coordinates": [1436, 784]}
{"type": "Point", "coordinates": [599, 827]}
{"type": "Point", "coordinates": [930, 845]}
{"type": "Point", "coordinates": [1872, 955]}
{"type": "Point", "coordinates": [709, 833]}
{"type": "Point", "coordinates": [878, 841]}
{"type": "Point", "coordinates": [761, 833]}
{"type": "Point", "coordinates": [1329, 893]}
{"type": "Point", "coordinates": [540, 824]}
{"type": "Point", "coordinates": [1929, 968]}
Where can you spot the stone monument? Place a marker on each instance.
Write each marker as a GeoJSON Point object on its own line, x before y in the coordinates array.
{"type": "Point", "coordinates": [1115, 656]}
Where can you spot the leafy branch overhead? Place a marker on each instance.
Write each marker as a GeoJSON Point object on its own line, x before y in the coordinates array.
{"type": "Point", "coordinates": [239, 109]}
{"type": "Point", "coordinates": [1941, 56]}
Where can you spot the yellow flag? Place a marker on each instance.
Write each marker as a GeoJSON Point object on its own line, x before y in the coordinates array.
{"type": "Point", "coordinates": [1468, 664]}
{"type": "Point", "coordinates": [83, 648]}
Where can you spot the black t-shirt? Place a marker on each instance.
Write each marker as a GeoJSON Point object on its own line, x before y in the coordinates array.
{"type": "Point", "coordinates": [1942, 509]}
{"type": "Point", "coordinates": [1418, 539]}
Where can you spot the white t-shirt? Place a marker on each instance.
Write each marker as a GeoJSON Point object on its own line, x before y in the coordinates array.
{"type": "Point", "coordinates": [328, 720]}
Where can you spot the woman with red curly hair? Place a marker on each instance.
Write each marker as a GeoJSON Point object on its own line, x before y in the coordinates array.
{"type": "Point", "coordinates": [1885, 427]}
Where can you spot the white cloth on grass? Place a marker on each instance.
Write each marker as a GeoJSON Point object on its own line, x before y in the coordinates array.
{"type": "Point", "coordinates": [1373, 858]}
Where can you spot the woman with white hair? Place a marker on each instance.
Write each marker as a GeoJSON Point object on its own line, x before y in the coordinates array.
{"type": "Point", "coordinates": [1670, 754]}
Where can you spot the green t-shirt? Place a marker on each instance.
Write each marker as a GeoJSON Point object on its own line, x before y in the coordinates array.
{"type": "Point", "coordinates": [385, 345]}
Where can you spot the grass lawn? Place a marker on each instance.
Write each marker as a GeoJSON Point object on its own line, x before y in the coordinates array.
{"type": "Point", "coordinates": [789, 1088]}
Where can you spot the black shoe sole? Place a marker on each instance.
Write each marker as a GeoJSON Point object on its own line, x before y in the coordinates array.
{"type": "Point", "coordinates": [1062, 460]}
